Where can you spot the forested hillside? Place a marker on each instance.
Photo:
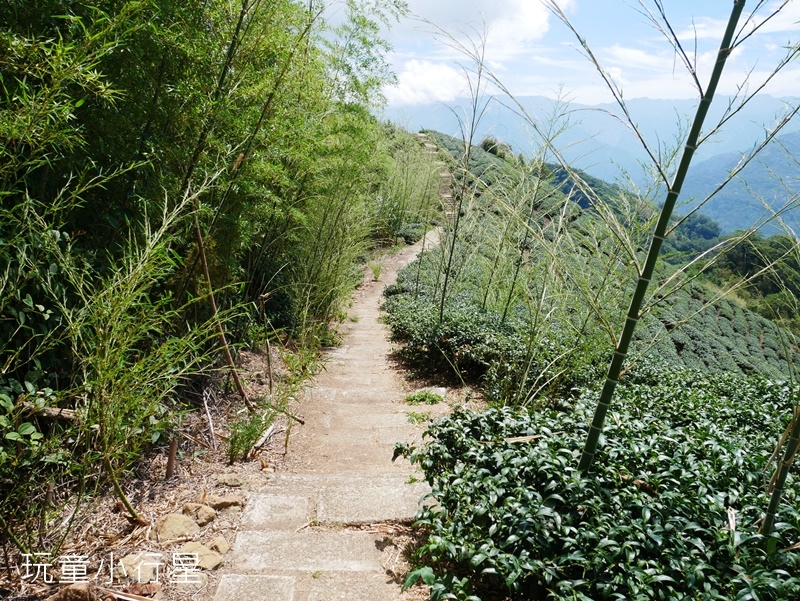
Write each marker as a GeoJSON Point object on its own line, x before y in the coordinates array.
{"type": "Point", "coordinates": [690, 326]}
{"type": "Point", "coordinates": [523, 299]}
{"type": "Point", "coordinates": [177, 179]}
{"type": "Point", "coordinates": [767, 185]}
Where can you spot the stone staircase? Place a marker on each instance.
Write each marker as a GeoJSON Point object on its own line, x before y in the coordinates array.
{"type": "Point", "coordinates": [445, 176]}
{"type": "Point", "coordinates": [314, 534]}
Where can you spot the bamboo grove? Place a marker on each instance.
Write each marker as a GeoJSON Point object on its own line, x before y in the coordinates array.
{"type": "Point", "coordinates": [176, 178]}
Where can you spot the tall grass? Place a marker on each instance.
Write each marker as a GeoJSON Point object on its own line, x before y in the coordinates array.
{"type": "Point", "coordinates": [407, 199]}
{"type": "Point", "coordinates": [130, 358]}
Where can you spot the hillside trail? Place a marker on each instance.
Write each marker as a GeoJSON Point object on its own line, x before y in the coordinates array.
{"type": "Point", "coordinates": [323, 529]}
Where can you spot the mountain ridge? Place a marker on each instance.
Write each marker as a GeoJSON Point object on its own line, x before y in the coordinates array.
{"type": "Point", "coordinates": [596, 141]}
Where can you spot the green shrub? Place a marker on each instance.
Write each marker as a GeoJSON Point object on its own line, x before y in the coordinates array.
{"type": "Point", "coordinates": [245, 432]}
{"type": "Point", "coordinates": [671, 510]}
{"type": "Point", "coordinates": [423, 397]}
{"type": "Point", "coordinates": [411, 232]}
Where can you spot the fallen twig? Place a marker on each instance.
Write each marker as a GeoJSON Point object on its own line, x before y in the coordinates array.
{"type": "Point", "coordinates": [524, 438]}
{"type": "Point", "coordinates": [173, 452]}
{"type": "Point", "coordinates": [263, 439]}
{"type": "Point", "coordinates": [123, 596]}
{"type": "Point", "coordinates": [195, 440]}
{"type": "Point", "coordinates": [57, 413]}
{"type": "Point", "coordinates": [640, 484]}
{"type": "Point", "coordinates": [206, 394]}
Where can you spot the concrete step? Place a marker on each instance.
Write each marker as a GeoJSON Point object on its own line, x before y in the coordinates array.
{"type": "Point", "coordinates": [333, 500]}
{"type": "Point", "coordinates": [275, 511]}
{"type": "Point", "coordinates": [361, 394]}
{"type": "Point", "coordinates": [317, 586]}
{"type": "Point", "coordinates": [238, 587]}
{"type": "Point", "coordinates": [337, 455]}
{"type": "Point", "coordinates": [369, 503]}
{"type": "Point", "coordinates": [305, 551]}
{"type": "Point", "coordinates": [358, 424]}
{"type": "Point", "coordinates": [334, 505]}
{"type": "Point", "coordinates": [292, 545]}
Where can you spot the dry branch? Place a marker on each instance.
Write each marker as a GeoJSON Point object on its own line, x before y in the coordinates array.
{"type": "Point", "coordinates": [60, 414]}
{"type": "Point", "coordinates": [263, 439]}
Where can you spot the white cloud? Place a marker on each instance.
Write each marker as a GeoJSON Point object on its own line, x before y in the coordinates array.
{"type": "Point", "coordinates": [784, 22]}
{"type": "Point", "coordinates": [637, 58]}
{"type": "Point", "coordinates": [422, 81]}
{"type": "Point", "coordinates": [528, 49]}
{"type": "Point", "coordinates": [521, 23]}
{"type": "Point", "coordinates": [706, 28]}
{"type": "Point", "coordinates": [427, 73]}
{"type": "Point", "coordinates": [703, 28]}
{"type": "Point", "coordinates": [508, 27]}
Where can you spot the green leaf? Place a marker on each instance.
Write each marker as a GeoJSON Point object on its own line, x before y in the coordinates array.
{"type": "Point", "coordinates": [26, 429]}
{"type": "Point", "coordinates": [6, 401]}
{"type": "Point", "coordinates": [477, 559]}
{"type": "Point", "coordinates": [425, 573]}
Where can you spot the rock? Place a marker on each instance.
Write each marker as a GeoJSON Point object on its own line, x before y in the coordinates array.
{"type": "Point", "coordinates": [439, 391]}
{"type": "Point", "coordinates": [141, 568]}
{"type": "Point", "coordinates": [145, 590]}
{"type": "Point", "coordinates": [220, 545]}
{"type": "Point", "coordinates": [228, 480]}
{"type": "Point", "coordinates": [82, 591]}
{"type": "Point", "coordinates": [224, 502]}
{"type": "Point", "coordinates": [174, 525]}
{"type": "Point", "coordinates": [206, 558]}
{"type": "Point", "coordinates": [202, 514]}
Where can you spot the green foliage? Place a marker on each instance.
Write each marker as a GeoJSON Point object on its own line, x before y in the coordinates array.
{"type": "Point", "coordinates": [245, 432]}
{"type": "Point", "coordinates": [407, 195]}
{"type": "Point", "coordinates": [128, 361]}
{"type": "Point", "coordinates": [121, 123]}
{"type": "Point", "coordinates": [670, 511]}
{"type": "Point", "coordinates": [423, 397]}
{"type": "Point", "coordinates": [416, 417]}
{"type": "Point", "coordinates": [497, 148]}
{"type": "Point", "coordinates": [537, 286]}
{"type": "Point", "coordinates": [723, 337]}
{"type": "Point", "coordinates": [508, 317]}
{"type": "Point", "coordinates": [769, 271]}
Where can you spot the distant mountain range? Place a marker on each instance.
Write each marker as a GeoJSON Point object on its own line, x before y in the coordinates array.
{"type": "Point", "coordinates": [771, 180]}
{"type": "Point", "coordinates": [595, 140]}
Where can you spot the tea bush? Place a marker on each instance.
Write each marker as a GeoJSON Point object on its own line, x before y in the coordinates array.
{"type": "Point", "coordinates": [671, 509]}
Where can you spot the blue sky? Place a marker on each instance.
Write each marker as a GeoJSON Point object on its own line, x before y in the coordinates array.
{"type": "Point", "coordinates": [533, 53]}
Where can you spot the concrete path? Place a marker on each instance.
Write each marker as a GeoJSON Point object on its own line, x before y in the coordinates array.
{"type": "Point", "coordinates": [297, 540]}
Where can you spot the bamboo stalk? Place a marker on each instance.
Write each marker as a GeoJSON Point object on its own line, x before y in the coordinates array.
{"type": "Point", "coordinates": [173, 452]}
{"type": "Point", "coordinates": [781, 473]}
{"type": "Point", "coordinates": [215, 315]}
{"type": "Point", "coordinates": [269, 365]}
{"type": "Point", "coordinates": [120, 493]}
{"type": "Point", "coordinates": [621, 350]}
